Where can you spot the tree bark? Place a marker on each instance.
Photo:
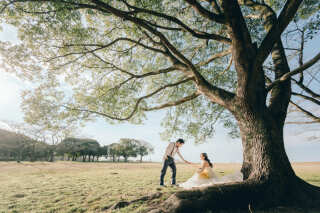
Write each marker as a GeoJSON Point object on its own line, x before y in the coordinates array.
{"type": "Point", "coordinates": [264, 155]}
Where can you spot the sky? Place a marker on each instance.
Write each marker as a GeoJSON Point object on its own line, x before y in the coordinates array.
{"type": "Point", "coordinates": [221, 148]}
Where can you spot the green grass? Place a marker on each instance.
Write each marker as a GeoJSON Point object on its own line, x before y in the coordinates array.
{"type": "Point", "coordinates": [93, 187]}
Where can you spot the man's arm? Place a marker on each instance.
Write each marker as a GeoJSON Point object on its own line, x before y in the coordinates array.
{"type": "Point", "coordinates": [178, 152]}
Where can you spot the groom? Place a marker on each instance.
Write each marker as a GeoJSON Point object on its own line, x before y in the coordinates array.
{"type": "Point", "coordinates": [168, 158]}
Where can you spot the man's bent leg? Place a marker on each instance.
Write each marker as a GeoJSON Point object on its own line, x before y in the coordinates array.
{"type": "Point", "coordinates": [163, 171]}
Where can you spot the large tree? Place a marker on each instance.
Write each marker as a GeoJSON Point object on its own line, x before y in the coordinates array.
{"type": "Point", "coordinates": [202, 60]}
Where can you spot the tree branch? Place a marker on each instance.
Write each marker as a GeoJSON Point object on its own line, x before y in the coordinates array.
{"type": "Point", "coordinates": [309, 114]}
{"type": "Point", "coordinates": [215, 56]}
{"type": "Point", "coordinates": [199, 34]}
{"type": "Point", "coordinates": [296, 71]}
{"type": "Point", "coordinates": [74, 53]}
{"type": "Point", "coordinates": [276, 30]}
{"type": "Point", "coordinates": [215, 94]}
{"type": "Point", "coordinates": [215, 6]}
{"type": "Point", "coordinates": [102, 46]}
{"type": "Point", "coordinates": [82, 5]}
{"type": "Point", "coordinates": [52, 11]}
{"type": "Point", "coordinates": [306, 98]}
{"type": "Point", "coordinates": [243, 50]}
{"type": "Point", "coordinates": [206, 13]}
{"type": "Point", "coordinates": [135, 107]}
{"type": "Point", "coordinates": [132, 75]}
{"type": "Point", "coordinates": [301, 55]}
{"type": "Point", "coordinates": [306, 89]}
{"type": "Point", "coordinates": [239, 31]}
{"type": "Point", "coordinates": [280, 95]}
{"type": "Point", "coordinates": [302, 122]}
{"type": "Point", "coordinates": [166, 70]}
{"type": "Point", "coordinates": [6, 5]}
{"type": "Point", "coordinates": [173, 103]}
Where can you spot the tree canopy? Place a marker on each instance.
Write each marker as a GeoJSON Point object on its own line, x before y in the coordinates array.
{"type": "Point", "coordinates": [121, 59]}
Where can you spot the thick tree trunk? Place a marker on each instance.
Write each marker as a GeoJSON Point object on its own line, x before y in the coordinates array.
{"type": "Point", "coordinates": [264, 155]}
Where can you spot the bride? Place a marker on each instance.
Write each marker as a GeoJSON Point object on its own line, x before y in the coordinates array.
{"type": "Point", "coordinates": [206, 177]}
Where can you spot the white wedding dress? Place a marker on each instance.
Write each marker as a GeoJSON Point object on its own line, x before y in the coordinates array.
{"type": "Point", "coordinates": [208, 178]}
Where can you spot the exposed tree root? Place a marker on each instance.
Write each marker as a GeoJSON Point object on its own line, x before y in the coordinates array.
{"type": "Point", "coordinates": [123, 204]}
{"type": "Point", "coordinates": [249, 194]}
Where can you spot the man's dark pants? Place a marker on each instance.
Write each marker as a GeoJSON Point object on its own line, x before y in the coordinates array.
{"type": "Point", "coordinates": [168, 162]}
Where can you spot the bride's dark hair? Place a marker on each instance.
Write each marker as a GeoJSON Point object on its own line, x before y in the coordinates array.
{"type": "Point", "coordinates": [207, 159]}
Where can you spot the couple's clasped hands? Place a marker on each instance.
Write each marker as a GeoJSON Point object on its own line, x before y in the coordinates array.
{"type": "Point", "coordinates": [200, 169]}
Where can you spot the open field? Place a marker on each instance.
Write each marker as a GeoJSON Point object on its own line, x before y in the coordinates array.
{"type": "Point", "coordinates": [94, 187]}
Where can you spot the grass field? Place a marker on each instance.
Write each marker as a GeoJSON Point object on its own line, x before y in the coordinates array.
{"type": "Point", "coordinates": [94, 187]}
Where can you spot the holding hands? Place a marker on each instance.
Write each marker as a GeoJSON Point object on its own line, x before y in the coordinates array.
{"type": "Point", "coordinates": [188, 162]}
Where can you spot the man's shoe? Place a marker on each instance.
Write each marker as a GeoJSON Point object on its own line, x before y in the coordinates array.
{"type": "Point", "coordinates": [162, 185]}
{"type": "Point", "coordinates": [174, 185]}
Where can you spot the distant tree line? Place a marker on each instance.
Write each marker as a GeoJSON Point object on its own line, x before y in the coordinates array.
{"type": "Point", "coordinates": [19, 147]}
{"type": "Point", "coordinates": [90, 150]}
{"type": "Point", "coordinates": [127, 147]}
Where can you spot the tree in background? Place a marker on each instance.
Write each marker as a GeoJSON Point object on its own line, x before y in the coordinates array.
{"type": "Point", "coordinates": [143, 148]}
{"type": "Point", "coordinates": [30, 138]}
{"type": "Point", "coordinates": [203, 61]}
{"type": "Point", "coordinates": [127, 148]}
{"type": "Point", "coordinates": [77, 147]}
{"type": "Point", "coordinates": [70, 147]}
{"type": "Point", "coordinates": [15, 146]}
{"type": "Point", "coordinates": [46, 137]}
{"type": "Point", "coordinates": [103, 151]}
{"type": "Point", "coordinates": [113, 151]}
{"type": "Point", "coordinates": [92, 148]}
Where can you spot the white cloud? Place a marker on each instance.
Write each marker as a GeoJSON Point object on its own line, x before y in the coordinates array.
{"type": "Point", "coordinates": [10, 99]}
{"type": "Point", "coordinates": [5, 126]}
